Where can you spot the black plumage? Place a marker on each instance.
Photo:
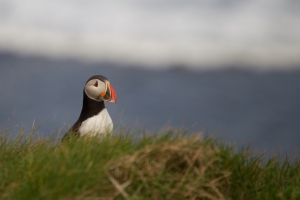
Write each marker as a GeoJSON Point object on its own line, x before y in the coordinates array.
{"type": "Point", "coordinates": [89, 109]}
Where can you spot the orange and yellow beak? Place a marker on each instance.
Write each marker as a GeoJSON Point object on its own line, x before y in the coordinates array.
{"type": "Point", "coordinates": [110, 94]}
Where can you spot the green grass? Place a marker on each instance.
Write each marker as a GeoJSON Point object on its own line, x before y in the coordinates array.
{"type": "Point", "coordinates": [165, 165]}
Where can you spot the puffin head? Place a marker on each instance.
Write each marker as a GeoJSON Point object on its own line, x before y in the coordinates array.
{"type": "Point", "coordinates": [98, 88]}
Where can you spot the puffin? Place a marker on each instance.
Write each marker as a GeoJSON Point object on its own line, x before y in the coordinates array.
{"type": "Point", "coordinates": [94, 119]}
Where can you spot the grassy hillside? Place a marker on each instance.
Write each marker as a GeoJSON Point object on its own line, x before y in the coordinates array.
{"type": "Point", "coordinates": [166, 165]}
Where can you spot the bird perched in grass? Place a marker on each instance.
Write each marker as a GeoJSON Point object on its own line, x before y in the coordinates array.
{"type": "Point", "coordinates": [94, 119]}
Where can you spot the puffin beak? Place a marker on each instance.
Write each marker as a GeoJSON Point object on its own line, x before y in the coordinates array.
{"type": "Point", "coordinates": [110, 95]}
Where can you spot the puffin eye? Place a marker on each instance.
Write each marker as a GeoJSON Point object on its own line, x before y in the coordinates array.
{"type": "Point", "coordinates": [96, 84]}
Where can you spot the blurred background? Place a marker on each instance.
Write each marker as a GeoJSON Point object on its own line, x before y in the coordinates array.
{"type": "Point", "coordinates": [229, 68]}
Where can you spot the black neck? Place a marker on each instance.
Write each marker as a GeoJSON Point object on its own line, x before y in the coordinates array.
{"type": "Point", "coordinates": [90, 108]}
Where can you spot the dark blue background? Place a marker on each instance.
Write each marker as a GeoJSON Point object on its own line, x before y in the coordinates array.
{"type": "Point", "coordinates": [262, 108]}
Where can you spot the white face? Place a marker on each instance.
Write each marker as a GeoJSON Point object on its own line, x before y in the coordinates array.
{"type": "Point", "coordinates": [95, 89]}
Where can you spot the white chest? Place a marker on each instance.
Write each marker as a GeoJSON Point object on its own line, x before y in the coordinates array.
{"type": "Point", "coordinates": [100, 124]}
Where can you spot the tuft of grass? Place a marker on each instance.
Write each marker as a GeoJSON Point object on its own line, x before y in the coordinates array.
{"type": "Point", "coordinates": [166, 165]}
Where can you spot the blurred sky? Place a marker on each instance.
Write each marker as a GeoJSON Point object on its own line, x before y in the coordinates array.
{"type": "Point", "coordinates": [125, 40]}
{"type": "Point", "coordinates": [260, 34]}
